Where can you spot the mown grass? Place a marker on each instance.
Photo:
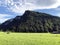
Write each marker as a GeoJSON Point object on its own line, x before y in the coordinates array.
{"type": "Point", "coordinates": [29, 39]}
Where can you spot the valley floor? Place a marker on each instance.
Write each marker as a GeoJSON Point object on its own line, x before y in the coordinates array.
{"type": "Point", "coordinates": [29, 39]}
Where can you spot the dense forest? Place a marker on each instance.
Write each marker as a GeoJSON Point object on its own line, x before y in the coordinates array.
{"type": "Point", "coordinates": [32, 21]}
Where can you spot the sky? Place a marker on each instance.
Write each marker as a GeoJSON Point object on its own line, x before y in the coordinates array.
{"type": "Point", "coordinates": [11, 8]}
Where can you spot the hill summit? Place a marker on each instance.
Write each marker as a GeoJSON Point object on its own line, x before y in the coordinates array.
{"type": "Point", "coordinates": [32, 21]}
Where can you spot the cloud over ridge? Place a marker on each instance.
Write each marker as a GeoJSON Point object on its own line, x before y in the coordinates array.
{"type": "Point", "coordinates": [19, 6]}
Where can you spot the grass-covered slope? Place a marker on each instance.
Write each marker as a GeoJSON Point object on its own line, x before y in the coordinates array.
{"type": "Point", "coordinates": [29, 39]}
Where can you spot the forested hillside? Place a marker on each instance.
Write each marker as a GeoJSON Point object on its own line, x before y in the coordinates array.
{"type": "Point", "coordinates": [32, 21]}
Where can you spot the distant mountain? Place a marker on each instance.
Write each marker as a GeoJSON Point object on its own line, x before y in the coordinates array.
{"type": "Point", "coordinates": [32, 21]}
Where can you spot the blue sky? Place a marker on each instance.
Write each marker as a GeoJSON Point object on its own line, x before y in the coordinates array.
{"type": "Point", "coordinates": [11, 8]}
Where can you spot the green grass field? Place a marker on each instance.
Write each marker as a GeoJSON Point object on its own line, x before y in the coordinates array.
{"type": "Point", "coordinates": [29, 39]}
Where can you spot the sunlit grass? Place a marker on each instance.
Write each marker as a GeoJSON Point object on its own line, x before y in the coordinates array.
{"type": "Point", "coordinates": [29, 39]}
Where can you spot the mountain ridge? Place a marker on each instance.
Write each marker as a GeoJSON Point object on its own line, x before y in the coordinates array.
{"type": "Point", "coordinates": [32, 21]}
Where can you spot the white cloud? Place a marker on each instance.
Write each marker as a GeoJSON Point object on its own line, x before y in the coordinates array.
{"type": "Point", "coordinates": [19, 6]}
{"type": "Point", "coordinates": [4, 17]}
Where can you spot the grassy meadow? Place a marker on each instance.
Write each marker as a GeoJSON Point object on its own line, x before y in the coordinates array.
{"type": "Point", "coordinates": [29, 39]}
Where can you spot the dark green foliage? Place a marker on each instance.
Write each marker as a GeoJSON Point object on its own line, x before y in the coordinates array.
{"type": "Point", "coordinates": [33, 22]}
{"type": "Point", "coordinates": [8, 32]}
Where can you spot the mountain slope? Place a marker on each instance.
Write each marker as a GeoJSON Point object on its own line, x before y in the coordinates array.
{"type": "Point", "coordinates": [32, 21]}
